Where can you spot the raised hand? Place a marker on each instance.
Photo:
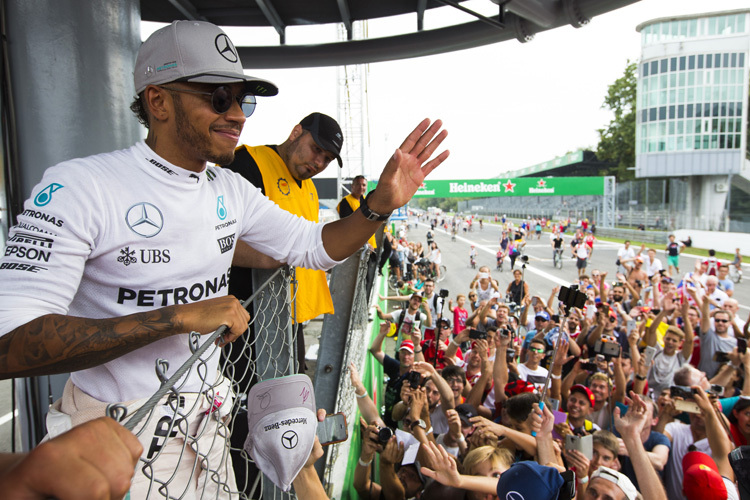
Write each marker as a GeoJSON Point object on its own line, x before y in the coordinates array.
{"type": "Point", "coordinates": [408, 167]}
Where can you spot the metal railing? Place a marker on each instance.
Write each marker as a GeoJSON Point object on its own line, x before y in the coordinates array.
{"type": "Point", "coordinates": [193, 441]}
{"type": "Point", "coordinates": [353, 340]}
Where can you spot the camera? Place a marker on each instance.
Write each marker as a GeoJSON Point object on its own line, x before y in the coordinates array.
{"type": "Point", "coordinates": [505, 332]}
{"type": "Point", "coordinates": [384, 434]}
{"type": "Point", "coordinates": [443, 293]}
{"type": "Point", "coordinates": [589, 366]}
{"type": "Point", "coordinates": [571, 297]}
{"type": "Point", "coordinates": [414, 379]}
{"type": "Point", "coordinates": [524, 258]}
{"type": "Point", "coordinates": [716, 390]}
{"type": "Point", "coordinates": [510, 355]}
{"type": "Point", "coordinates": [680, 391]}
{"type": "Point", "coordinates": [607, 347]}
{"type": "Point", "coordinates": [477, 335]}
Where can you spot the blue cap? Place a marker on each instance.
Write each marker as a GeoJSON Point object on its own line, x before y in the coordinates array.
{"type": "Point", "coordinates": [542, 314]}
{"type": "Point", "coordinates": [529, 481]}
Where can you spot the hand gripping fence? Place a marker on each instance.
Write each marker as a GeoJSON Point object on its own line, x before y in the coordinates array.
{"type": "Point", "coordinates": [193, 442]}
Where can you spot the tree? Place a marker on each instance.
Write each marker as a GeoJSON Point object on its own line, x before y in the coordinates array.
{"type": "Point", "coordinates": [617, 141]}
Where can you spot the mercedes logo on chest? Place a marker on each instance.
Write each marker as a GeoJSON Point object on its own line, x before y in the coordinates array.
{"type": "Point", "coordinates": [144, 219]}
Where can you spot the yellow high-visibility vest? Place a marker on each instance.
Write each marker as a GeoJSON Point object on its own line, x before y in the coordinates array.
{"type": "Point", "coordinates": [313, 297]}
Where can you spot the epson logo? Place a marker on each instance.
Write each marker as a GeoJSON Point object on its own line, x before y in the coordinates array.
{"type": "Point", "coordinates": [226, 243]}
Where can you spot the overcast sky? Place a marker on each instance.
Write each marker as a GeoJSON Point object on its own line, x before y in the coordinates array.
{"type": "Point", "coordinates": [506, 106]}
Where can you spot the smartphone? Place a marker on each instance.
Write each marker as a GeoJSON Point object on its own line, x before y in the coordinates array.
{"type": "Point", "coordinates": [584, 444]}
{"type": "Point", "coordinates": [686, 406]}
{"type": "Point", "coordinates": [649, 354]}
{"type": "Point", "coordinates": [510, 355]}
{"type": "Point", "coordinates": [554, 404]}
{"type": "Point", "coordinates": [631, 325]}
{"type": "Point", "coordinates": [555, 318]}
{"type": "Point", "coordinates": [741, 345]}
{"type": "Point", "coordinates": [416, 326]}
{"type": "Point", "coordinates": [534, 300]}
{"type": "Point", "coordinates": [720, 357]}
{"type": "Point", "coordinates": [333, 429]}
{"type": "Point", "coordinates": [589, 367]}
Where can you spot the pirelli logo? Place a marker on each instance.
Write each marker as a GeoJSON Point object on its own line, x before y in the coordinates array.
{"type": "Point", "coordinates": [226, 243]}
{"type": "Point", "coordinates": [32, 239]}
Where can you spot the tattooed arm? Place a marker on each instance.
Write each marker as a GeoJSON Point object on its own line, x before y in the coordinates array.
{"type": "Point", "coordinates": [58, 344]}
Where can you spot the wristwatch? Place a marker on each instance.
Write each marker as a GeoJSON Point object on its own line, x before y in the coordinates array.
{"type": "Point", "coordinates": [420, 423]}
{"type": "Point", "coordinates": [369, 214]}
{"type": "Point", "coordinates": [640, 377]}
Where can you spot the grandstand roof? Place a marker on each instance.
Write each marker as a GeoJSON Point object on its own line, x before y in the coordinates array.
{"type": "Point", "coordinates": [576, 163]}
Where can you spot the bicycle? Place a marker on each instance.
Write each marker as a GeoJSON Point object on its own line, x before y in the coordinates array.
{"type": "Point", "coordinates": [424, 265]}
{"type": "Point", "coordinates": [557, 258]}
{"type": "Point", "coordinates": [735, 274]}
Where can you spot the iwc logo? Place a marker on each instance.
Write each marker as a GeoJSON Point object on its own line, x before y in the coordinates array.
{"type": "Point", "coordinates": [144, 219]}
{"type": "Point", "coordinates": [283, 186]}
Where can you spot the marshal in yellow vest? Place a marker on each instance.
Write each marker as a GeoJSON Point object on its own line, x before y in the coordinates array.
{"type": "Point", "coordinates": [354, 203]}
{"type": "Point", "coordinates": [313, 297]}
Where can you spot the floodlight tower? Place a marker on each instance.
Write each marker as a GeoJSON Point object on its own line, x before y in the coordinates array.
{"type": "Point", "coordinates": [352, 111]}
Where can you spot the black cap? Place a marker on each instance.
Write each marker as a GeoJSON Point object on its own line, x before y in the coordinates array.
{"type": "Point", "coordinates": [325, 132]}
{"type": "Point", "coordinates": [465, 412]}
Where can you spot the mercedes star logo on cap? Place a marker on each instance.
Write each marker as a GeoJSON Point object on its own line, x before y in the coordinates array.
{"type": "Point", "coordinates": [225, 48]}
{"type": "Point", "coordinates": [289, 439]}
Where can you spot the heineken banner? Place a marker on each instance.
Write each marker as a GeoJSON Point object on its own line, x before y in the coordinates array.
{"type": "Point", "coordinates": [525, 186]}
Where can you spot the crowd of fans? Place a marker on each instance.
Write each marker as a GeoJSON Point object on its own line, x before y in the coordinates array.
{"type": "Point", "coordinates": [641, 393]}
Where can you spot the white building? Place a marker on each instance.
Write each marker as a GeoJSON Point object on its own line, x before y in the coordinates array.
{"type": "Point", "coordinates": [692, 109]}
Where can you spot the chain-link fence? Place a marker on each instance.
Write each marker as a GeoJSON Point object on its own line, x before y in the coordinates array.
{"type": "Point", "coordinates": [356, 339]}
{"type": "Point", "coordinates": [193, 442]}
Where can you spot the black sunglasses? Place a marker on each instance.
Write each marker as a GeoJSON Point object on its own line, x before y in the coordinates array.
{"type": "Point", "coordinates": [222, 98]}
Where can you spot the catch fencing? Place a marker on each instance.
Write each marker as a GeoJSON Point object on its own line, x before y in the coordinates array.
{"type": "Point", "coordinates": [194, 441]}
{"type": "Point", "coordinates": [353, 340]}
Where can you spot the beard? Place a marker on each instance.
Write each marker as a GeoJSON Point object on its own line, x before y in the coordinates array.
{"type": "Point", "coordinates": [191, 138]}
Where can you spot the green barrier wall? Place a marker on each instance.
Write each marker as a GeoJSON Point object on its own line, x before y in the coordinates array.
{"type": "Point", "coordinates": [372, 378]}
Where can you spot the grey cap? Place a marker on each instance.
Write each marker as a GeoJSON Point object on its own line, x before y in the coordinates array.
{"type": "Point", "coordinates": [193, 51]}
{"type": "Point", "coordinates": [282, 425]}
